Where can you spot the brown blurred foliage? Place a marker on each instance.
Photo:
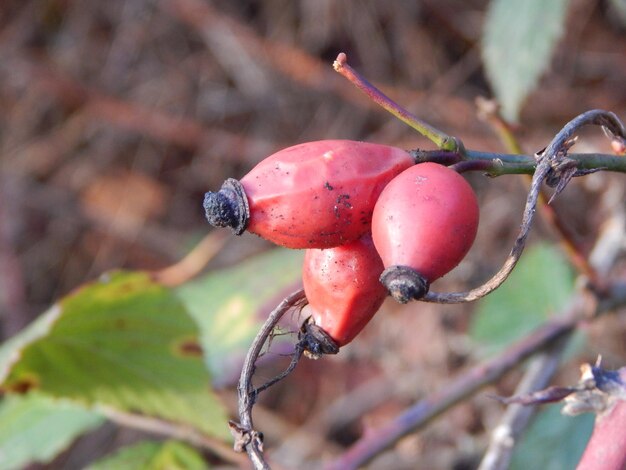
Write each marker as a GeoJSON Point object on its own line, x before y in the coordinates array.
{"type": "Point", "coordinates": [117, 115]}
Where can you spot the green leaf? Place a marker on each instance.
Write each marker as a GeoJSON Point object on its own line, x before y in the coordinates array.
{"type": "Point", "coordinates": [148, 455]}
{"type": "Point", "coordinates": [10, 349]}
{"type": "Point", "coordinates": [35, 428]}
{"type": "Point", "coordinates": [518, 41]}
{"type": "Point", "coordinates": [229, 305]}
{"type": "Point", "coordinates": [553, 441]}
{"type": "Point", "coordinates": [541, 284]}
{"type": "Point", "coordinates": [124, 342]}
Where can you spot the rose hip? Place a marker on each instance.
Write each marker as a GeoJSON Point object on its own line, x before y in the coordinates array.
{"type": "Point", "coordinates": [342, 287]}
{"type": "Point", "coordinates": [424, 223]}
{"type": "Point", "coordinates": [313, 195]}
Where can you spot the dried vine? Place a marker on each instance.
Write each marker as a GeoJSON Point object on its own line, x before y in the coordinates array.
{"type": "Point", "coordinates": [246, 438]}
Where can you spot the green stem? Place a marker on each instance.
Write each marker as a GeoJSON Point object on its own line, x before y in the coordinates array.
{"type": "Point", "coordinates": [439, 138]}
{"type": "Point", "coordinates": [497, 164]}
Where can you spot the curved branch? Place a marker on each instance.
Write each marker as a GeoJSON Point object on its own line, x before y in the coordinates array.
{"type": "Point", "coordinates": [552, 163]}
{"type": "Point", "coordinates": [245, 435]}
{"type": "Point", "coordinates": [609, 122]}
{"type": "Point", "coordinates": [518, 247]}
{"type": "Point", "coordinates": [439, 138]}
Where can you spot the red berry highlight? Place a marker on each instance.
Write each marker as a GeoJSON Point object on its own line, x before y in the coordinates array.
{"type": "Point", "coordinates": [313, 195]}
{"type": "Point", "coordinates": [342, 287]}
{"type": "Point", "coordinates": [424, 223]}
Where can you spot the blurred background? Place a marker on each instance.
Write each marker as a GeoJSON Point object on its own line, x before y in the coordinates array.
{"type": "Point", "coordinates": [117, 116]}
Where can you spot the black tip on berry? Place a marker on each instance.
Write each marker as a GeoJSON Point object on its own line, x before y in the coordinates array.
{"type": "Point", "coordinates": [404, 284]}
{"type": "Point", "coordinates": [228, 207]}
{"type": "Point", "coordinates": [315, 341]}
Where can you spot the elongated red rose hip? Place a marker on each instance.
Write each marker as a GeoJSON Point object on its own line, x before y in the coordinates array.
{"type": "Point", "coordinates": [424, 223]}
{"type": "Point", "coordinates": [313, 195]}
{"type": "Point", "coordinates": [342, 287]}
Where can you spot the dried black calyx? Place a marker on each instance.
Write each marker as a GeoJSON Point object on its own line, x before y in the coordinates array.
{"type": "Point", "coordinates": [228, 207]}
{"type": "Point", "coordinates": [315, 341]}
{"type": "Point", "coordinates": [404, 283]}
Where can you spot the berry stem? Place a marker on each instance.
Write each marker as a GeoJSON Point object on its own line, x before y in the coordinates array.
{"type": "Point", "coordinates": [439, 138]}
{"type": "Point", "coordinates": [499, 164]}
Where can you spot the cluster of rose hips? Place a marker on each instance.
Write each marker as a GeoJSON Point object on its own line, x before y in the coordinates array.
{"type": "Point", "coordinates": [372, 223]}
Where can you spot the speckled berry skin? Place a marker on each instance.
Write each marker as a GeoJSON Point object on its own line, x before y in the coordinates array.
{"type": "Point", "coordinates": [424, 223]}
{"type": "Point", "coordinates": [342, 287]}
{"type": "Point", "coordinates": [313, 195]}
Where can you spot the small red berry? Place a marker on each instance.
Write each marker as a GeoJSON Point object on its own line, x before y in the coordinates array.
{"type": "Point", "coordinates": [424, 223]}
{"type": "Point", "coordinates": [313, 195]}
{"type": "Point", "coordinates": [342, 287]}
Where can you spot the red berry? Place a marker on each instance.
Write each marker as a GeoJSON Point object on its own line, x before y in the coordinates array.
{"type": "Point", "coordinates": [313, 195]}
{"type": "Point", "coordinates": [424, 223]}
{"type": "Point", "coordinates": [342, 287]}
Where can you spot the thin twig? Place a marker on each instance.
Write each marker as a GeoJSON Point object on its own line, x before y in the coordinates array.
{"type": "Point", "coordinates": [245, 435]}
{"type": "Point", "coordinates": [193, 263]}
{"type": "Point", "coordinates": [172, 430]}
{"type": "Point", "coordinates": [490, 112]}
{"type": "Point", "coordinates": [517, 417]}
{"type": "Point", "coordinates": [551, 163]}
{"type": "Point", "coordinates": [439, 138]}
{"type": "Point", "coordinates": [543, 168]}
{"type": "Point", "coordinates": [609, 122]}
{"type": "Point", "coordinates": [295, 358]}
